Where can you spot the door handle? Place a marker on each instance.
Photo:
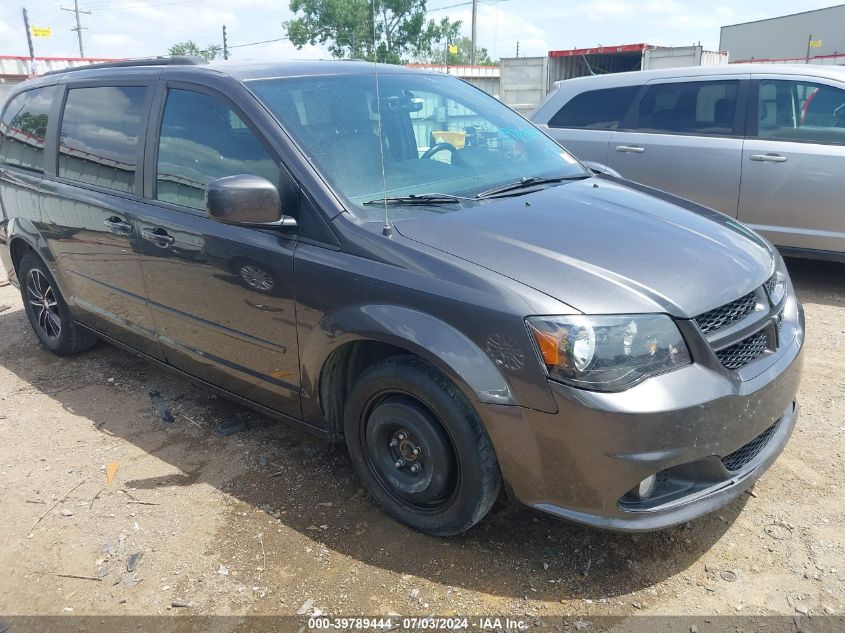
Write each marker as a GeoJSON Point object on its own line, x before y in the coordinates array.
{"type": "Point", "coordinates": [630, 149]}
{"type": "Point", "coordinates": [158, 236]}
{"type": "Point", "coordinates": [768, 158]}
{"type": "Point", "coordinates": [118, 226]}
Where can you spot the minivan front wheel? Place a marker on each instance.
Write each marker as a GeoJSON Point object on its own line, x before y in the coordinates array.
{"type": "Point", "coordinates": [419, 447]}
{"type": "Point", "coordinates": [47, 311]}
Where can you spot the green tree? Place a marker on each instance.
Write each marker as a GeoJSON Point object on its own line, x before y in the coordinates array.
{"type": "Point", "coordinates": [35, 125]}
{"type": "Point", "coordinates": [190, 48]}
{"type": "Point", "coordinates": [391, 31]}
{"type": "Point", "coordinates": [464, 55]}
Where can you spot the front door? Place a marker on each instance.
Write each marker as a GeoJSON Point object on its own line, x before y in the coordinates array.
{"type": "Point", "coordinates": [687, 140]}
{"type": "Point", "coordinates": [221, 295]}
{"type": "Point", "coordinates": [793, 172]}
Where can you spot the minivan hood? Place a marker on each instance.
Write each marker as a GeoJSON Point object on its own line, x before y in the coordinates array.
{"type": "Point", "coordinates": [604, 248]}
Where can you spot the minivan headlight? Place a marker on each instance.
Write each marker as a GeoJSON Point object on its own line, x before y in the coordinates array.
{"type": "Point", "coordinates": [608, 353]}
{"type": "Point", "coordinates": [776, 287]}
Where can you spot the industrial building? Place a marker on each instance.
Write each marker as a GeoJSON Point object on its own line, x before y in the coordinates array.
{"type": "Point", "coordinates": [16, 69]}
{"type": "Point", "coordinates": [817, 37]}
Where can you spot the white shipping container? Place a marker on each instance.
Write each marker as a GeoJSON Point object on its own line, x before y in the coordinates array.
{"type": "Point", "coordinates": [682, 56]}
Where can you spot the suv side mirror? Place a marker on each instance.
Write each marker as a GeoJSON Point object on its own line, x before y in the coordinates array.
{"type": "Point", "coordinates": [245, 199]}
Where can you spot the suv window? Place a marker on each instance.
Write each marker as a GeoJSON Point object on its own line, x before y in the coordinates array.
{"type": "Point", "coordinates": [99, 139]}
{"type": "Point", "coordinates": [596, 109]}
{"type": "Point", "coordinates": [203, 139]}
{"type": "Point", "coordinates": [23, 128]}
{"type": "Point", "coordinates": [695, 107]}
{"type": "Point", "coordinates": [801, 111]}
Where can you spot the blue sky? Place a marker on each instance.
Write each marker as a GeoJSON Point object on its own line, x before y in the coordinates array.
{"type": "Point", "coordinates": [134, 28]}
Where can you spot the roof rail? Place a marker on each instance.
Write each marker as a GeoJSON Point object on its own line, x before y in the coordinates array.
{"type": "Point", "coordinates": [173, 60]}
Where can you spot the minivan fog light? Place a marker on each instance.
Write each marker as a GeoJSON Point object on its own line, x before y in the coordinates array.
{"type": "Point", "coordinates": [645, 488]}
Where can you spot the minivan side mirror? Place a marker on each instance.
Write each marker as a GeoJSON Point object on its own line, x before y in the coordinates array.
{"type": "Point", "coordinates": [246, 200]}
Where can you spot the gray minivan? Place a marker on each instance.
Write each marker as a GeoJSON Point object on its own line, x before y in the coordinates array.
{"type": "Point", "coordinates": [763, 143]}
{"type": "Point", "coordinates": [394, 259]}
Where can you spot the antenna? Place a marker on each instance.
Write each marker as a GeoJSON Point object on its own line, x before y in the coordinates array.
{"type": "Point", "coordinates": [387, 229]}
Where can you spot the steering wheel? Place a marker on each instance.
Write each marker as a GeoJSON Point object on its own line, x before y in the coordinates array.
{"type": "Point", "coordinates": [439, 147]}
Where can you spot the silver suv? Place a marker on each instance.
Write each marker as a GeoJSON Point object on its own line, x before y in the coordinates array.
{"type": "Point", "coordinates": [763, 143]}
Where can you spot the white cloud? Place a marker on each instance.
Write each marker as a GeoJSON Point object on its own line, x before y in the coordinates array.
{"type": "Point", "coordinates": [500, 28]}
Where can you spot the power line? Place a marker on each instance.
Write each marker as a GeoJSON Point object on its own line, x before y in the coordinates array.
{"type": "Point", "coordinates": [278, 39]}
{"type": "Point", "coordinates": [134, 4]}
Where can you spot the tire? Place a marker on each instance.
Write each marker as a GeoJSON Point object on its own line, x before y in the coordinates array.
{"type": "Point", "coordinates": [47, 310]}
{"type": "Point", "coordinates": [452, 479]}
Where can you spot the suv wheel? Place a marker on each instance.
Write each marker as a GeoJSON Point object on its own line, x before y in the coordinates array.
{"type": "Point", "coordinates": [420, 448]}
{"type": "Point", "coordinates": [47, 311]}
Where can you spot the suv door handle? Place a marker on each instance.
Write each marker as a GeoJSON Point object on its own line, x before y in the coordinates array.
{"type": "Point", "coordinates": [158, 236]}
{"type": "Point", "coordinates": [768, 158]}
{"type": "Point", "coordinates": [118, 226]}
{"type": "Point", "coordinates": [631, 149]}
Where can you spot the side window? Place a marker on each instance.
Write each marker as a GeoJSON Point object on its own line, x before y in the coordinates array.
{"type": "Point", "coordinates": [801, 111]}
{"type": "Point", "coordinates": [203, 139]}
{"type": "Point", "coordinates": [596, 109]}
{"type": "Point", "coordinates": [696, 107]}
{"type": "Point", "coordinates": [23, 128]}
{"type": "Point", "coordinates": [99, 139]}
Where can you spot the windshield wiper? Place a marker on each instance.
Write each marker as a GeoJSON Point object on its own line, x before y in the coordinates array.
{"type": "Point", "coordinates": [527, 183]}
{"type": "Point", "coordinates": [414, 198]}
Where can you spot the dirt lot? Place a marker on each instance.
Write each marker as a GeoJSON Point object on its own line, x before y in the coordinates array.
{"type": "Point", "coordinates": [273, 521]}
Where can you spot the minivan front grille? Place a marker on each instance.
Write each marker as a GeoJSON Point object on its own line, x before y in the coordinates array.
{"type": "Point", "coordinates": [727, 314]}
{"type": "Point", "coordinates": [744, 454]}
{"type": "Point", "coordinates": [740, 354]}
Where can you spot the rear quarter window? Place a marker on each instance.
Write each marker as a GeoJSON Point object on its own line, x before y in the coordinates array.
{"type": "Point", "coordinates": [23, 129]}
{"type": "Point", "coordinates": [596, 109]}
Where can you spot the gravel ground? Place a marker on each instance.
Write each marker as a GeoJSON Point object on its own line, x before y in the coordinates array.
{"type": "Point", "coordinates": [273, 521]}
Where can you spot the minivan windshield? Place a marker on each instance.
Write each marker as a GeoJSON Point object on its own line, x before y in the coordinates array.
{"type": "Point", "coordinates": [439, 139]}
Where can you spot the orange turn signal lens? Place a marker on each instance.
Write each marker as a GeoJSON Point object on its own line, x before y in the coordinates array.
{"type": "Point", "coordinates": [549, 346]}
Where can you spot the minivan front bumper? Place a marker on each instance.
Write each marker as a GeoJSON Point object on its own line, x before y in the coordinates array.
{"type": "Point", "coordinates": [686, 427]}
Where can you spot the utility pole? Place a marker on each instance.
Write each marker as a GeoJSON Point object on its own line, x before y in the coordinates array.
{"type": "Point", "coordinates": [79, 26]}
{"type": "Point", "coordinates": [474, 56]}
{"type": "Point", "coordinates": [517, 48]}
{"type": "Point", "coordinates": [29, 41]}
{"type": "Point", "coordinates": [809, 43]}
{"type": "Point", "coordinates": [225, 44]}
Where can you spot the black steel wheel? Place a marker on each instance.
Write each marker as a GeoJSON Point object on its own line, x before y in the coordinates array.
{"type": "Point", "coordinates": [47, 311]}
{"type": "Point", "coordinates": [420, 448]}
{"type": "Point", "coordinates": [409, 452]}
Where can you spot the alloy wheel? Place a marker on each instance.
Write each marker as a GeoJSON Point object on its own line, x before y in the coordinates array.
{"type": "Point", "coordinates": [45, 306]}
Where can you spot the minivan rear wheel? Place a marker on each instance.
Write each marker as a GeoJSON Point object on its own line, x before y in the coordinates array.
{"type": "Point", "coordinates": [47, 310]}
{"type": "Point", "coordinates": [419, 447]}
